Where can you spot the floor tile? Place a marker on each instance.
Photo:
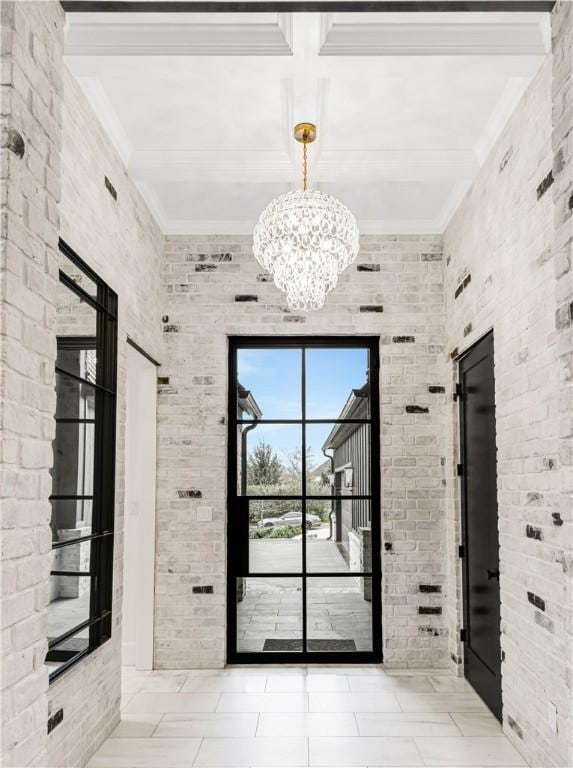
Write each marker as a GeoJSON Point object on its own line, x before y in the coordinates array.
{"type": "Point", "coordinates": [310, 682]}
{"type": "Point", "coordinates": [340, 751]}
{"type": "Point", "coordinates": [440, 702]}
{"type": "Point", "coordinates": [346, 669]}
{"type": "Point", "coordinates": [363, 683]}
{"type": "Point", "coordinates": [173, 702]}
{"type": "Point", "coordinates": [201, 724]}
{"type": "Point", "coordinates": [263, 702]}
{"type": "Point", "coordinates": [477, 723]}
{"type": "Point", "coordinates": [162, 683]}
{"type": "Point", "coordinates": [146, 753]}
{"type": "Point", "coordinates": [415, 671]}
{"type": "Point", "coordinates": [469, 751]}
{"type": "Point", "coordinates": [228, 684]}
{"type": "Point", "coordinates": [450, 684]}
{"type": "Point", "coordinates": [353, 702]}
{"type": "Point", "coordinates": [407, 724]}
{"type": "Point", "coordinates": [138, 725]}
{"type": "Point", "coordinates": [307, 724]}
{"type": "Point", "coordinates": [287, 752]}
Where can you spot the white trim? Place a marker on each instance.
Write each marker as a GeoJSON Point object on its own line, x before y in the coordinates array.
{"type": "Point", "coordinates": [370, 34]}
{"type": "Point", "coordinates": [510, 97]}
{"type": "Point", "coordinates": [454, 201]}
{"type": "Point", "coordinates": [139, 518]}
{"type": "Point", "coordinates": [107, 116]}
{"type": "Point", "coordinates": [189, 35]}
{"type": "Point", "coordinates": [272, 167]}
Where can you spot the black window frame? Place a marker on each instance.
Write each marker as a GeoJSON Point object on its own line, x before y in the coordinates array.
{"type": "Point", "coordinates": [101, 537]}
{"type": "Point", "coordinates": [237, 502]}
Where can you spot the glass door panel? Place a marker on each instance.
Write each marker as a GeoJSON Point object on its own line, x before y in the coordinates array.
{"type": "Point", "coordinates": [304, 500]}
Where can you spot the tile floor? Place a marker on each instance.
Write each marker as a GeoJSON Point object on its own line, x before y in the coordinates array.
{"type": "Point", "coordinates": [320, 716]}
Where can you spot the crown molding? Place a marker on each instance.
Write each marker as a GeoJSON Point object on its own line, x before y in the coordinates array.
{"type": "Point", "coordinates": [510, 97]}
{"type": "Point", "coordinates": [459, 191]}
{"type": "Point", "coordinates": [107, 116]}
{"type": "Point", "coordinates": [166, 35]}
{"type": "Point", "coordinates": [432, 35]}
{"type": "Point", "coordinates": [272, 167]}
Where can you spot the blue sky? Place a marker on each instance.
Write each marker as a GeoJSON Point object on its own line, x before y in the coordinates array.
{"type": "Point", "coordinates": [274, 378]}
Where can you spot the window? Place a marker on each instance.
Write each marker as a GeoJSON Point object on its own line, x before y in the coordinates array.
{"type": "Point", "coordinates": [82, 498]}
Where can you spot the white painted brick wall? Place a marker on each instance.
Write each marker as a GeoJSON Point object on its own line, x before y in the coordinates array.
{"type": "Point", "coordinates": [119, 240]}
{"type": "Point", "coordinates": [503, 236]}
{"type": "Point", "coordinates": [122, 243]}
{"type": "Point", "coordinates": [31, 92]}
{"type": "Point", "coordinates": [199, 300]}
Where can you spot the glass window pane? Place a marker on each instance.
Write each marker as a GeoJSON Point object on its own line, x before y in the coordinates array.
{"type": "Point", "coordinates": [269, 614]}
{"type": "Point", "coordinates": [269, 383]}
{"type": "Point", "coordinates": [69, 594]}
{"type": "Point", "coordinates": [66, 650]}
{"type": "Point", "coordinates": [71, 518]}
{"type": "Point", "coordinates": [339, 614]}
{"type": "Point", "coordinates": [77, 275]}
{"type": "Point", "coordinates": [74, 399]}
{"type": "Point", "coordinates": [343, 540]}
{"type": "Point", "coordinates": [72, 473]}
{"type": "Point", "coordinates": [76, 330]}
{"type": "Point", "coordinates": [275, 536]}
{"type": "Point", "coordinates": [337, 384]}
{"type": "Point", "coordinates": [338, 459]}
{"type": "Point", "coordinates": [269, 460]}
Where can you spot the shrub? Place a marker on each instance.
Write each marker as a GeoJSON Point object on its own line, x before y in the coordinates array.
{"type": "Point", "coordinates": [276, 532]}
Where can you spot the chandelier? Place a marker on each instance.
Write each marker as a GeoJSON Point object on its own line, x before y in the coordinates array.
{"type": "Point", "coordinates": [305, 239]}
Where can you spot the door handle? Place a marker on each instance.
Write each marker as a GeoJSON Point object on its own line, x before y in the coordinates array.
{"type": "Point", "coordinates": [493, 574]}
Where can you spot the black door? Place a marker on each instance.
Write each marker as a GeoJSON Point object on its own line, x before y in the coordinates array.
{"type": "Point", "coordinates": [303, 531]}
{"type": "Point", "coordinates": [482, 648]}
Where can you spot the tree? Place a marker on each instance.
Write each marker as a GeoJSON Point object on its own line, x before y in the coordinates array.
{"type": "Point", "coordinates": [264, 466]}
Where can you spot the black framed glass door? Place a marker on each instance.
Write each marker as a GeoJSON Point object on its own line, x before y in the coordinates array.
{"type": "Point", "coordinates": [303, 532]}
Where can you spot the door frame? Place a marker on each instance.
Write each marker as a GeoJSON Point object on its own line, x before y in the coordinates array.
{"type": "Point", "coordinates": [140, 512]}
{"type": "Point", "coordinates": [372, 343]}
{"type": "Point", "coordinates": [464, 511]}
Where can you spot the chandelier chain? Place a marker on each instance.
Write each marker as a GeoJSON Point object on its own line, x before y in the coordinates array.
{"type": "Point", "coordinates": [304, 167]}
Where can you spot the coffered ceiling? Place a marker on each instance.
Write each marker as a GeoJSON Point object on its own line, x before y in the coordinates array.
{"type": "Point", "coordinates": [201, 107]}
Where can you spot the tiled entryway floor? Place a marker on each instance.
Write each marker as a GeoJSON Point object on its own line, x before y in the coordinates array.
{"type": "Point", "coordinates": [319, 716]}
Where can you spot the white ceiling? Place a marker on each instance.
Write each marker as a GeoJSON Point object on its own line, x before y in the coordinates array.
{"type": "Point", "coordinates": [201, 107]}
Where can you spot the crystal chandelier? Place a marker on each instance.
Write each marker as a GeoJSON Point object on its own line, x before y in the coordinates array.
{"type": "Point", "coordinates": [305, 239]}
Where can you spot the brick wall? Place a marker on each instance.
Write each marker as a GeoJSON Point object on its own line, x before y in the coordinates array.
{"type": "Point", "coordinates": [500, 249]}
{"type": "Point", "coordinates": [112, 236]}
{"type": "Point", "coordinates": [31, 94]}
{"type": "Point", "coordinates": [404, 278]}
{"type": "Point", "coordinates": [120, 240]}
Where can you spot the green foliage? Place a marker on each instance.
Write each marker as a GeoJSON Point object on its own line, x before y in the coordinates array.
{"type": "Point", "coordinates": [264, 466]}
{"type": "Point", "coordinates": [276, 532]}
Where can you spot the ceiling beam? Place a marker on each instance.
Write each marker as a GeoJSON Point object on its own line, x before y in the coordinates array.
{"type": "Point", "coordinates": [211, 35]}
{"type": "Point", "coordinates": [434, 35]}
{"type": "Point", "coordinates": [315, 6]}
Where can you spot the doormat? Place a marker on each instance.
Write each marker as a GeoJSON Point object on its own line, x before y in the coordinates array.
{"type": "Point", "coordinates": [275, 644]}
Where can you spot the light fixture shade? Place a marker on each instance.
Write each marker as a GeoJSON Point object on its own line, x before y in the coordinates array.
{"type": "Point", "coordinates": [305, 239]}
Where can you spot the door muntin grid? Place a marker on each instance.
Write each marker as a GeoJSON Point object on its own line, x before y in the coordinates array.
{"type": "Point", "coordinates": [354, 487]}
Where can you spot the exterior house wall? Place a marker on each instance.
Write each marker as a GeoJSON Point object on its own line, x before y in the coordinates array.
{"type": "Point", "coordinates": [503, 237]}
{"type": "Point", "coordinates": [213, 287]}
